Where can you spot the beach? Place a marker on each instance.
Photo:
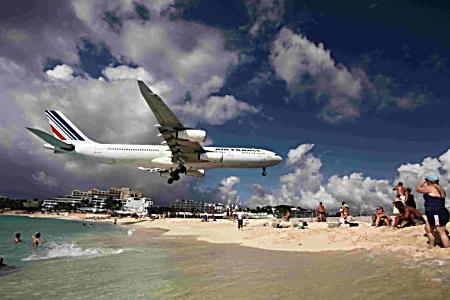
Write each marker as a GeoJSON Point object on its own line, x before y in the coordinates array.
{"type": "Point", "coordinates": [189, 259]}
{"type": "Point", "coordinates": [316, 237]}
{"type": "Point", "coordinates": [260, 234]}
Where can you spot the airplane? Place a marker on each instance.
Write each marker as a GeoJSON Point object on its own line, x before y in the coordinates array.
{"type": "Point", "coordinates": [181, 152]}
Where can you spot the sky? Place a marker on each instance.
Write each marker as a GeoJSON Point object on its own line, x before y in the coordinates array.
{"type": "Point", "coordinates": [354, 97]}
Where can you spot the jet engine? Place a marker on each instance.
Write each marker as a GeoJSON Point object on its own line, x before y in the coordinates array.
{"type": "Point", "coordinates": [195, 173]}
{"type": "Point", "coordinates": [193, 135]}
{"type": "Point", "coordinates": [211, 156]}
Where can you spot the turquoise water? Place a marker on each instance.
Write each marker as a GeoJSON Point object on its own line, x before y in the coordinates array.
{"type": "Point", "coordinates": [97, 261]}
{"type": "Point", "coordinates": [59, 238]}
{"type": "Point", "coordinates": [109, 262]}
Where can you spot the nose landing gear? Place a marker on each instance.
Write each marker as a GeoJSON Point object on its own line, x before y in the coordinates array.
{"type": "Point", "coordinates": [264, 173]}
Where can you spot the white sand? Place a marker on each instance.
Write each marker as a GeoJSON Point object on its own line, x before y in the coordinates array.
{"type": "Point", "coordinates": [317, 237]}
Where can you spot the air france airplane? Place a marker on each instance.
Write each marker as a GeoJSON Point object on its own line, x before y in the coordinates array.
{"type": "Point", "coordinates": [181, 152]}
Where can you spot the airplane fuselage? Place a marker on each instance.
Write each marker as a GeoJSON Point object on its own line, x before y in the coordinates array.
{"type": "Point", "coordinates": [160, 156]}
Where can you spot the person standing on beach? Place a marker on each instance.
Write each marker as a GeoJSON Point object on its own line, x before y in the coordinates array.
{"type": "Point", "coordinates": [400, 196]}
{"type": "Point", "coordinates": [321, 213]}
{"type": "Point", "coordinates": [240, 217]}
{"type": "Point", "coordinates": [410, 198]}
{"type": "Point", "coordinates": [435, 210]}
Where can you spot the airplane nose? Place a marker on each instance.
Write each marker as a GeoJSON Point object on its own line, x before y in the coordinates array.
{"type": "Point", "coordinates": [278, 158]}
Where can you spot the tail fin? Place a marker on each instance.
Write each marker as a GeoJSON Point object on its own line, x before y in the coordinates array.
{"type": "Point", "coordinates": [63, 129]}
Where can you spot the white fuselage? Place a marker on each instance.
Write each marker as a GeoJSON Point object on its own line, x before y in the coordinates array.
{"type": "Point", "coordinates": [160, 156]}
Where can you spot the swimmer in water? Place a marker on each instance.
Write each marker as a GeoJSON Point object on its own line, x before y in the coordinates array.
{"type": "Point", "coordinates": [17, 238]}
{"type": "Point", "coordinates": [36, 238]}
{"type": "Point", "coordinates": [1, 262]}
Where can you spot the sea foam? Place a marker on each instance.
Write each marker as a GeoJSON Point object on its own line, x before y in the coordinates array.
{"type": "Point", "coordinates": [65, 250]}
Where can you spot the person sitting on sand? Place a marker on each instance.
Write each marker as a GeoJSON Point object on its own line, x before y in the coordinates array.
{"type": "Point", "coordinates": [435, 210]}
{"type": "Point", "coordinates": [344, 206]}
{"type": "Point", "coordinates": [36, 239]}
{"type": "Point", "coordinates": [346, 219]}
{"type": "Point", "coordinates": [380, 218]}
{"type": "Point", "coordinates": [17, 238]}
{"type": "Point", "coordinates": [321, 213]}
{"type": "Point", "coordinates": [408, 216]}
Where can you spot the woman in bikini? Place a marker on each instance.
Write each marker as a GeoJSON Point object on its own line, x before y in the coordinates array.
{"type": "Point", "coordinates": [437, 214]}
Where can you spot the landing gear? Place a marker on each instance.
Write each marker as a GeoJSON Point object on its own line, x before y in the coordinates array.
{"type": "Point", "coordinates": [175, 174]}
{"type": "Point", "coordinates": [264, 173]}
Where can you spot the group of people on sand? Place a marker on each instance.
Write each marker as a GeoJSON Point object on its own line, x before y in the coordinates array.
{"type": "Point", "coordinates": [406, 213]}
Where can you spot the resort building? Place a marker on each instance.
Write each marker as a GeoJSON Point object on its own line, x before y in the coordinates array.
{"type": "Point", "coordinates": [138, 204]}
{"type": "Point", "coordinates": [93, 200]}
{"type": "Point", "coordinates": [181, 205]}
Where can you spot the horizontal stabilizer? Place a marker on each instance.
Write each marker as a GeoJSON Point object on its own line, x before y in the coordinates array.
{"type": "Point", "coordinates": [52, 140]}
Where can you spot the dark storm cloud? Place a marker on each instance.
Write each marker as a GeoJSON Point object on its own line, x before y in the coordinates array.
{"type": "Point", "coordinates": [31, 32]}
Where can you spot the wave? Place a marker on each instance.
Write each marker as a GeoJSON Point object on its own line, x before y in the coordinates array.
{"type": "Point", "coordinates": [65, 250]}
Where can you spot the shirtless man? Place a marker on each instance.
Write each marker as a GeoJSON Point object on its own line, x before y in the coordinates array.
{"type": "Point", "coordinates": [321, 213]}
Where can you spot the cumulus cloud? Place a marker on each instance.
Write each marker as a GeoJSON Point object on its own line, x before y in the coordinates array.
{"type": "Point", "coordinates": [301, 62]}
{"type": "Point", "coordinates": [304, 186]}
{"type": "Point", "coordinates": [60, 72]}
{"type": "Point", "coordinates": [226, 191]}
{"type": "Point", "coordinates": [185, 62]}
{"type": "Point", "coordinates": [219, 109]}
{"type": "Point", "coordinates": [310, 72]}
{"type": "Point", "coordinates": [125, 72]}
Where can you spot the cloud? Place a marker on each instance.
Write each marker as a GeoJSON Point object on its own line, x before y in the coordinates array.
{"type": "Point", "coordinates": [60, 72]}
{"type": "Point", "coordinates": [44, 178]}
{"type": "Point", "coordinates": [226, 192]}
{"type": "Point", "coordinates": [302, 63]}
{"type": "Point", "coordinates": [341, 93]}
{"type": "Point", "coordinates": [186, 63]}
{"type": "Point", "coordinates": [304, 186]}
{"type": "Point", "coordinates": [219, 109]}
{"type": "Point", "coordinates": [265, 14]}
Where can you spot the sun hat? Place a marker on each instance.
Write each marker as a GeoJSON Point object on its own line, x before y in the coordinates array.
{"type": "Point", "coordinates": [432, 178]}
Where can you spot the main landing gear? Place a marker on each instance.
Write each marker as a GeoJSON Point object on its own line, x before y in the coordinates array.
{"type": "Point", "coordinates": [264, 173]}
{"type": "Point", "coordinates": [175, 174]}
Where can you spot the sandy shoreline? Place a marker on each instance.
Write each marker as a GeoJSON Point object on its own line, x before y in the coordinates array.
{"type": "Point", "coordinates": [317, 237]}
{"type": "Point", "coordinates": [260, 234]}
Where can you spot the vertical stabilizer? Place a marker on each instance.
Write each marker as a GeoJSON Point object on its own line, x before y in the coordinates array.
{"type": "Point", "coordinates": [63, 128]}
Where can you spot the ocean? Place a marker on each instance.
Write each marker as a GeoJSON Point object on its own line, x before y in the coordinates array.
{"type": "Point", "coordinates": [110, 262]}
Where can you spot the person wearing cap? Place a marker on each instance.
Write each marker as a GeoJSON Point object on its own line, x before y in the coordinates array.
{"type": "Point", "coordinates": [437, 215]}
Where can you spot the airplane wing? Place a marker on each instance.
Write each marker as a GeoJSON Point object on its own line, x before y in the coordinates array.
{"type": "Point", "coordinates": [183, 150]}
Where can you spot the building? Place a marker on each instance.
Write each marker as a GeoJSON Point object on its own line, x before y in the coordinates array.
{"type": "Point", "coordinates": [93, 200]}
{"type": "Point", "coordinates": [191, 206]}
{"type": "Point", "coordinates": [138, 204]}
